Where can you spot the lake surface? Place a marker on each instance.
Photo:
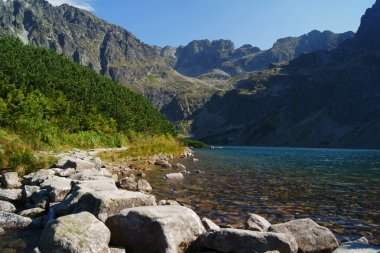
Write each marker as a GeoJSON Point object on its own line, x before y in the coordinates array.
{"type": "Point", "coordinates": [337, 188]}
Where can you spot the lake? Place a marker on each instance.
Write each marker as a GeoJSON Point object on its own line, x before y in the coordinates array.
{"type": "Point", "coordinates": [337, 188]}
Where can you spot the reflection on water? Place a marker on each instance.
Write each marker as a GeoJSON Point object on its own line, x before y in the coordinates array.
{"type": "Point", "coordinates": [337, 188]}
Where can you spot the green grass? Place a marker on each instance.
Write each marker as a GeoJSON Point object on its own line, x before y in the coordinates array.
{"type": "Point", "coordinates": [144, 147]}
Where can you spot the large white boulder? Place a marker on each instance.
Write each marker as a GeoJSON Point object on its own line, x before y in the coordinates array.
{"type": "Point", "coordinates": [10, 180]}
{"type": "Point", "coordinates": [166, 229]}
{"type": "Point", "coordinates": [75, 233]}
{"type": "Point", "coordinates": [257, 223]}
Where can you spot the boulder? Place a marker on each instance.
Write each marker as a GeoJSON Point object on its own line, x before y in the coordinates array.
{"type": "Point", "coordinates": [169, 229]}
{"type": "Point", "coordinates": [75, 233]}
{"type": "Point", "coordinates": [77, 164]}
{"type": "Point", "coordinates": [10, 194]}
{"type": "Point", "coordinates": [168, 203]}
{"type": "Point", "coordinates": [11, 221]}
{"type": "Point", "coordinates": [161, 162]}
{"type": "Point", "coordinates": [38, 177]}
{"type": "Point", "coordinates": [102, 199]}
{"type": "Point", "coordinates": [10, 180]}
{"type": "Point", "coordinates": [246, 241]}
{"type": "Point", "coordinates": [6, 206]}
{"type": "Point", "coordinates": [209, 224]}
{"type": "Point", "coordinates": [144, 186]}
{"type": "Point", "coordinates": [57, 187]}
{"type": "Point", "coordinates": [29, 190]}
{"type": "Point", "coordinates": [175, 176]}
{"type": "Point", "coordinates": [310, 237]}
{"type": "Point", "coordinates": [257, 223]}
{"type": "Point", "coordinates": [90, 174]}
{"type": "Point", "coordinates": [33, 212]}
{"type": "Point", "coordinates": [128, 183]}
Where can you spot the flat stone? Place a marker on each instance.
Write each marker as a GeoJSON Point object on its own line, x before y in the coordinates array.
{"type": "Point", "coordinates": [58, 188]}
{"type": "Point", "coordinates": [10, 180]}
{"type": "Point", "coordinates": [71, 162]}
{"type": "Point", "coordinates": [90, 174]}
{"type": "Point", "coordinates": [6, 206]}
{"type": "Point", "coordinates": [209, 224]}
{"type": "Point", "coordinates": [29, 190]}
{"type": "Point", "coordinates": [257, 223]}
{"type": "Point", "coordinates": [102, 199]}
{"type": "Point", "coordinates": [38, 177]}
{"type": "Point", "coordinates": [246, 241]}
{"type": "Point", "coordinates": [10, 194]}
{"type": "Point", "coordinates": [11, 221]}
{"type": "Point", "coordinates": [67, 172]}
{"type": "Point", "coordinates": [169, 229]}
{"type": "Point", "coordinates": [33, 212]}
{"type": "Point", "coordinates": [310, 237]}
{"type": "Point", "coordinates": [75, 233]}
{"type": "Point", "coordinates": [175, 176]}
{"type": "Point", "coordinates": [161, 162]}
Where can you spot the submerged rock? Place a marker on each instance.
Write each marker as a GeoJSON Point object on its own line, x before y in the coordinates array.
{"type": "Point", "coordinates": [310, 237]}
{"type": "Point", "coordinates": [245, 241]}
{"type": "Point", "coordinates": [166, 229]}
{"type": "Point", "coordinates": [357, 247]}
{"type": "Point", "coordinates": [257, 223]}
{"type": "Point", "coordinates": [10, 180]}
{"type": "Point", "coordinates": [75, 233]}
{"type": "Point", "coordinates": [175, 176]}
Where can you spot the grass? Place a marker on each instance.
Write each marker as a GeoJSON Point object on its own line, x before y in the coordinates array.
{"type": "Point", "coordinates": [141, 148]}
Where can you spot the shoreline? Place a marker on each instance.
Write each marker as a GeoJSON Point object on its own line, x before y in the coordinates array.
{"type": "Point", "coordinates": [60, 190]}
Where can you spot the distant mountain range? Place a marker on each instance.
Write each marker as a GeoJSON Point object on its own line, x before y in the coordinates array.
{"type": "Point", "coordinates": [320, 89]}
{"type": "Point", "coordinates": [178, 81]}
{"type": "Point", "coordinates": [320, 99]}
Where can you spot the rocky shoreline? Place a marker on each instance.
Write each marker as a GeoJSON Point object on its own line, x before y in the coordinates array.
{"type": "Point", "coordinates": [84, 205]}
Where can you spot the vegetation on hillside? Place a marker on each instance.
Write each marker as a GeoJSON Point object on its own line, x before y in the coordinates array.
{"type": "Point", "coordinates": [48, 102]}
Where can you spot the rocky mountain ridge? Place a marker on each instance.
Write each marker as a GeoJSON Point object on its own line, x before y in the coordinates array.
{"type": "Point", "coordinates": [321, 99]}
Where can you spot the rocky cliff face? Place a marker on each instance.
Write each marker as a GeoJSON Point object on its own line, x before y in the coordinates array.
{"type": "Point", "coordinates": [322, 99]}
{"type": "Point", "coordinates": [203, 56]}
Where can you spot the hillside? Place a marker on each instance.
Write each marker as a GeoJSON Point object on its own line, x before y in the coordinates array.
{"type": "Point", "coordinates": [152, 71]}
{"type": "Point", "coordinates": [322, 99]}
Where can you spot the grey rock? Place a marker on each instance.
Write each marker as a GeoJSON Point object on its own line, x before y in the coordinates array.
{"type": "Point", "coordinates": [168, 203]}
{"type": "Point", "coordinates": [161, 162]}
{"type": "Point", "coordinates": [11, 221]}
{"type": "Point", "coordinates": [57, 187]}
{"type": "Point", "coordinates": [38, 177]}
{"type": "Point", "coordinates": [244, 241]}
{"type": "Point", "coordinates": [78, 164]}
{"type": "Point", "coordinates": [10, 194]}
{"type": "Point", "coordinates": [144, 186]}
{"type": "Point", "coordinates": [67, 172]}
{"type": "Point", "coordinates": [29, 190]}
{"type": "Point", "coordinates": [128, 183]}
{"type": "Point", "coordinates": [6, 206]}
{"type": "Point", "coordinates": [169, 229]}
{"type": "Point", "coordinates": [117, 250]}
{"type": "Point", "coordinates": [209, 224]}
{"type": "Point", "coordinates": [75, 233]}
{"type": "Point", "coordinates": [89, 174]}
{"type": "Point", "coordinates": [175, 176]}
{"type": "Point", "coordinates": [257, 223]}
{"type": "Point", "coordinates": [10, 180]}
{"type": "Point", "coordinates": [33, 212]}
{"type": "Point", "coordinates": [310, 237]}
{"type": "Point", "coordinates": [102, 199]}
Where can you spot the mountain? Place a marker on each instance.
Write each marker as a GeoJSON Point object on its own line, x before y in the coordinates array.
{"type": "Point", "coordinates": [321, 99]}
{"type": "Point", "coordinates": [108, 49]}
{"type": "Point", "coordinates": [202, 56]}
{"type": "Point", "coordinates": [177, 81]}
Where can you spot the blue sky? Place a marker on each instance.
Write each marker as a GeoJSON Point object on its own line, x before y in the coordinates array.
{"type": "Point", "coordinates": [256, 22]}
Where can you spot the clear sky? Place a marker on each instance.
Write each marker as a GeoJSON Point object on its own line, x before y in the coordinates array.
{"type": "Point", "coordinates": [256, 22]}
